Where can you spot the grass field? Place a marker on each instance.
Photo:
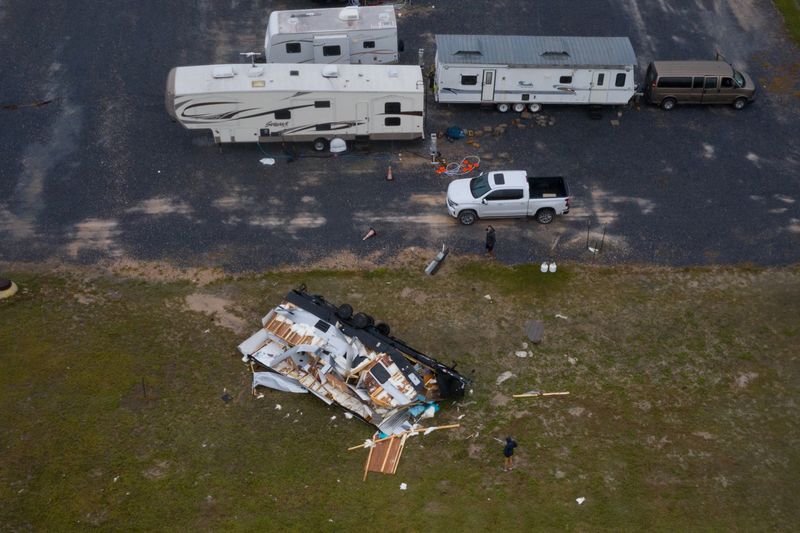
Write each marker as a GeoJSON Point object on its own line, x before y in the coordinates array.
{"type": "Point", "coordinates": [790, 9]}
{"type": "Point", "coordinates": [683, 411]}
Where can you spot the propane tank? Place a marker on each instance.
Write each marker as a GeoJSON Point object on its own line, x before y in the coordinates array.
{"type": "Point", "coordinates": [544, 267]}
{"type": "Point", "coordinates": [553, 266]}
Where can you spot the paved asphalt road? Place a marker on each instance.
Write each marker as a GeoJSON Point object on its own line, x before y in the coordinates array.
{"type": "Point", "coordinates": [101, 172]}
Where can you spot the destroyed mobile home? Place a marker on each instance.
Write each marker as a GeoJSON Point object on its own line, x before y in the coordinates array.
{"type": "Point", "coordinates": [310, 345]}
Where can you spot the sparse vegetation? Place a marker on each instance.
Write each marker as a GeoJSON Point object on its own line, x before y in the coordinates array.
{"type": "Point", "coordinates": [791, 15]}
{"type": "Point", "coordinates": [683, 412]}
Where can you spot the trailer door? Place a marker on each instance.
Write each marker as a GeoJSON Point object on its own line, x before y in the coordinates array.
{"type": "Point", "coordinates": [362, 118]}
{"type": "Point", "coordinates": [598, 92]}
{"type": "Point", "coordinates": [487, 92]}
{"type": "Point", "coordinates": [331, 49]}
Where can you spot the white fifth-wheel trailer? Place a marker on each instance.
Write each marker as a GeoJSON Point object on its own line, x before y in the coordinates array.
{"type": "Point", "coordinates": [359, 35]}
{"type": "Point", "coordinates": [518, 72]}
{"type": "Point", "coordinates": [285, 102]}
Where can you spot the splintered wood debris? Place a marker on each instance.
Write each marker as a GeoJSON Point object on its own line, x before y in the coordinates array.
{"type": "Point", "coordinates": [307, 344]}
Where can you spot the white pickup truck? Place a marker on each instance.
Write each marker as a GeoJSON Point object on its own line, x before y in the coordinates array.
{"type": "Point", "coordinates": [507, 194]}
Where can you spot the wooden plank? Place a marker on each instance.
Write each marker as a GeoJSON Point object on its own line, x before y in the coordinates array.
{"type": "Point", "coordinates": [533, 395]}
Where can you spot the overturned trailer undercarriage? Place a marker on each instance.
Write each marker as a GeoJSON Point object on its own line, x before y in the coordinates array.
{"type": "Point", "coordinates": [310, 345]}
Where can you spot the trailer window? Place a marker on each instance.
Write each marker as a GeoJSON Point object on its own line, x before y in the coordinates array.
{"type": "Point", "coordinates": [369, 44]}
{"type": "Point", "coordinates": [391, 121]}
{"type": "Point", "coordinates": [294, 73]}
{"type": "Point", "coordinates": [469, 80]}
{"type": "Point", "coordinates": [322, 103]}
{"type": "Point", "coordinates": [526, 97]}
{"type": "Point", "coordinates": [675, 83]}
{"type": "Point", "coordinates": [601, 79]}
{"type": "Point", "coordinates": [292, 48]}
{"type": "Point", "coordinates": [332, 50]}
{"type": "Point", "coordinates": [391, 108]}
{"type": "Point", "coordinates": [283, 114]}
{"type": "Point", "coordinates": [565, 79]}
{"type": "Point", "coordinates": [620, 80]}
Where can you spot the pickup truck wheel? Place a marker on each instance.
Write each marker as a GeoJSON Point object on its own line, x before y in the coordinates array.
{"type": "Point", "coordinates": [503, 108]}
{"type": "Point", "coordinates": [519, 108]}
{"type": "Point", "coordinates": [668, 104]}
{"type": "Point", "coordinates": [320, 144]}
{"type": "Point", "coordinates": [535, 107]}
{"type": "Point", "coordinates": [467, 217]}
{"type": "Point", "coordinates": [739, 103]}
{"type": "Point", "coordinates": [545, 216]}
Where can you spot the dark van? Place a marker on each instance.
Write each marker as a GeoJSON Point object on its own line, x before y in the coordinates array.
{"type": "Point", "coordinates": [668, 83]}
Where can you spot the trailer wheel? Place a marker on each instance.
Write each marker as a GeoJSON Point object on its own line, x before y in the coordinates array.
{"type": "Point", "coordinates": [320, 144]}
{"type": "Point", "coordinates": [668, 104]}
{"type": "Point", "coordinates": [503, 108]}
{"type": "Point", "coordinates": [545, 216]}
{"type": "Point", "coordinates": [739, 103]}
{"type": "Point", "coordinates": [362, 320]}
{"type": "Point", "coordinates": [534, 107]}
{"type": "Point", "coordinates": [519, 108]}
{"type": "Point", "coordinates": [467, 217]}
{"type": "Point", "coordinates": [345, 311]}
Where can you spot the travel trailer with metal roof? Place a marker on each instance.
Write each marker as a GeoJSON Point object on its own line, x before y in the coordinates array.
{"type": "Point", "coordinates": [359, 35]}
{"type": "Point", "coordinates": [518, 72]}
{"type": "Point", "coordinates": [286, 102]}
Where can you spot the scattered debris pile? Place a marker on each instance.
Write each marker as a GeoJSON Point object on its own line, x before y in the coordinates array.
{"type": "Point", "coordinates": [310, 345]}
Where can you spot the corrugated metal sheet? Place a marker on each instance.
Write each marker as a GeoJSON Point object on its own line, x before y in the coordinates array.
{"type": "Point", "coordinates": [523, 50]}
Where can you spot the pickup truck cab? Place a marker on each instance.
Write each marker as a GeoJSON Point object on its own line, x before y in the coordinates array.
{"type": "Point", "coordinates": [507, 194]}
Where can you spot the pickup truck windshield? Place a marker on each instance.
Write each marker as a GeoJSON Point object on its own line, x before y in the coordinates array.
{"type": "Point", "coordinates": [479, 186]}
{"type": "Point", "coordinates": [739, 78]}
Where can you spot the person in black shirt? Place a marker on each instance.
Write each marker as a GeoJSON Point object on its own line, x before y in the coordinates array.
{"type": "Point", "coordinates": [490, 240]}
{"type": "Point", "coordinates": [508, 452]}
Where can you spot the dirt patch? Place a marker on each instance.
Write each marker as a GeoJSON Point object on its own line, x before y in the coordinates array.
{"type": "Point", "coordinates": [417, 296]}
{"type": "Point", "coordinates": [157, 471]}
{"type": "Point", "coordinates": [742, 380]}
{"type": "Point", "coordinates": [500, 399]}
{"type": "Point", "coordinates": [217, 307]}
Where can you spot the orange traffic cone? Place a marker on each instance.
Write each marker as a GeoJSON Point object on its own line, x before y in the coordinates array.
{"type": "Point", "coordinates": [389, 176]}
{"type": "Point", "coordinates": [370, 233]}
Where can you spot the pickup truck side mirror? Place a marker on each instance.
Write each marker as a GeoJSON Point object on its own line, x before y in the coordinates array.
{"type": "Point", "coordinates": [484, 202]}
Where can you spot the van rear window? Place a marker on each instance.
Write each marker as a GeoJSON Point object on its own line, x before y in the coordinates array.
{"type": "Point", "coordinates": [675, 83]}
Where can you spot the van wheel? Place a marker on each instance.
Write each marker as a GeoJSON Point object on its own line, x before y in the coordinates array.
{"type": "Point", "coordinates": [467, 217]}
{"type": "Point", "coordinates": [739, 103]}
{"type": "Point", "coordinates": [519, 108]}
{"type": "Point", "coordinates": [545, 216]}
{"type": "Point", "coordinates": [534, 108]}
{"type": "Point", "coordinates": [320, 144]}
{"type": "Point", "coordinates": [503, 108]}
{"type": "Point", "coordinates": [668, 104]}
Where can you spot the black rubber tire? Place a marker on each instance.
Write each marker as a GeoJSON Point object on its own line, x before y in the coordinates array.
{"type": "Point", "coordinates": [739, 103]}
{"type": "Point", "coordinates": [518, 108]}
{"type": "Point", "coordinates": [382, 328]}
{"type": "Point", "coordinates": [467, 217]}
{"type": "Point", "coordinates": [5, 284]}
{"type": "Point", "coordinates": [360, 320]}
{"type": "Point", "coordinates": [545, 216]}
{"type": "Point", "coordinates": [503, 107]}
{"type": "Point", "coordinates": [320, 145]}
{"type": "Point", "coordinates": [668, 104]}
{"type": "Point", "coordinates": [534, 107]}
{"type": "Point", "coordinates": [345, 311]}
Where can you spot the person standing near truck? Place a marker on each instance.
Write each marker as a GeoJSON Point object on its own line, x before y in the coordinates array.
{"type": "Point", "coordinates": [508, 452]}
{"type": "Point", "coordinates": [490, 241]}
